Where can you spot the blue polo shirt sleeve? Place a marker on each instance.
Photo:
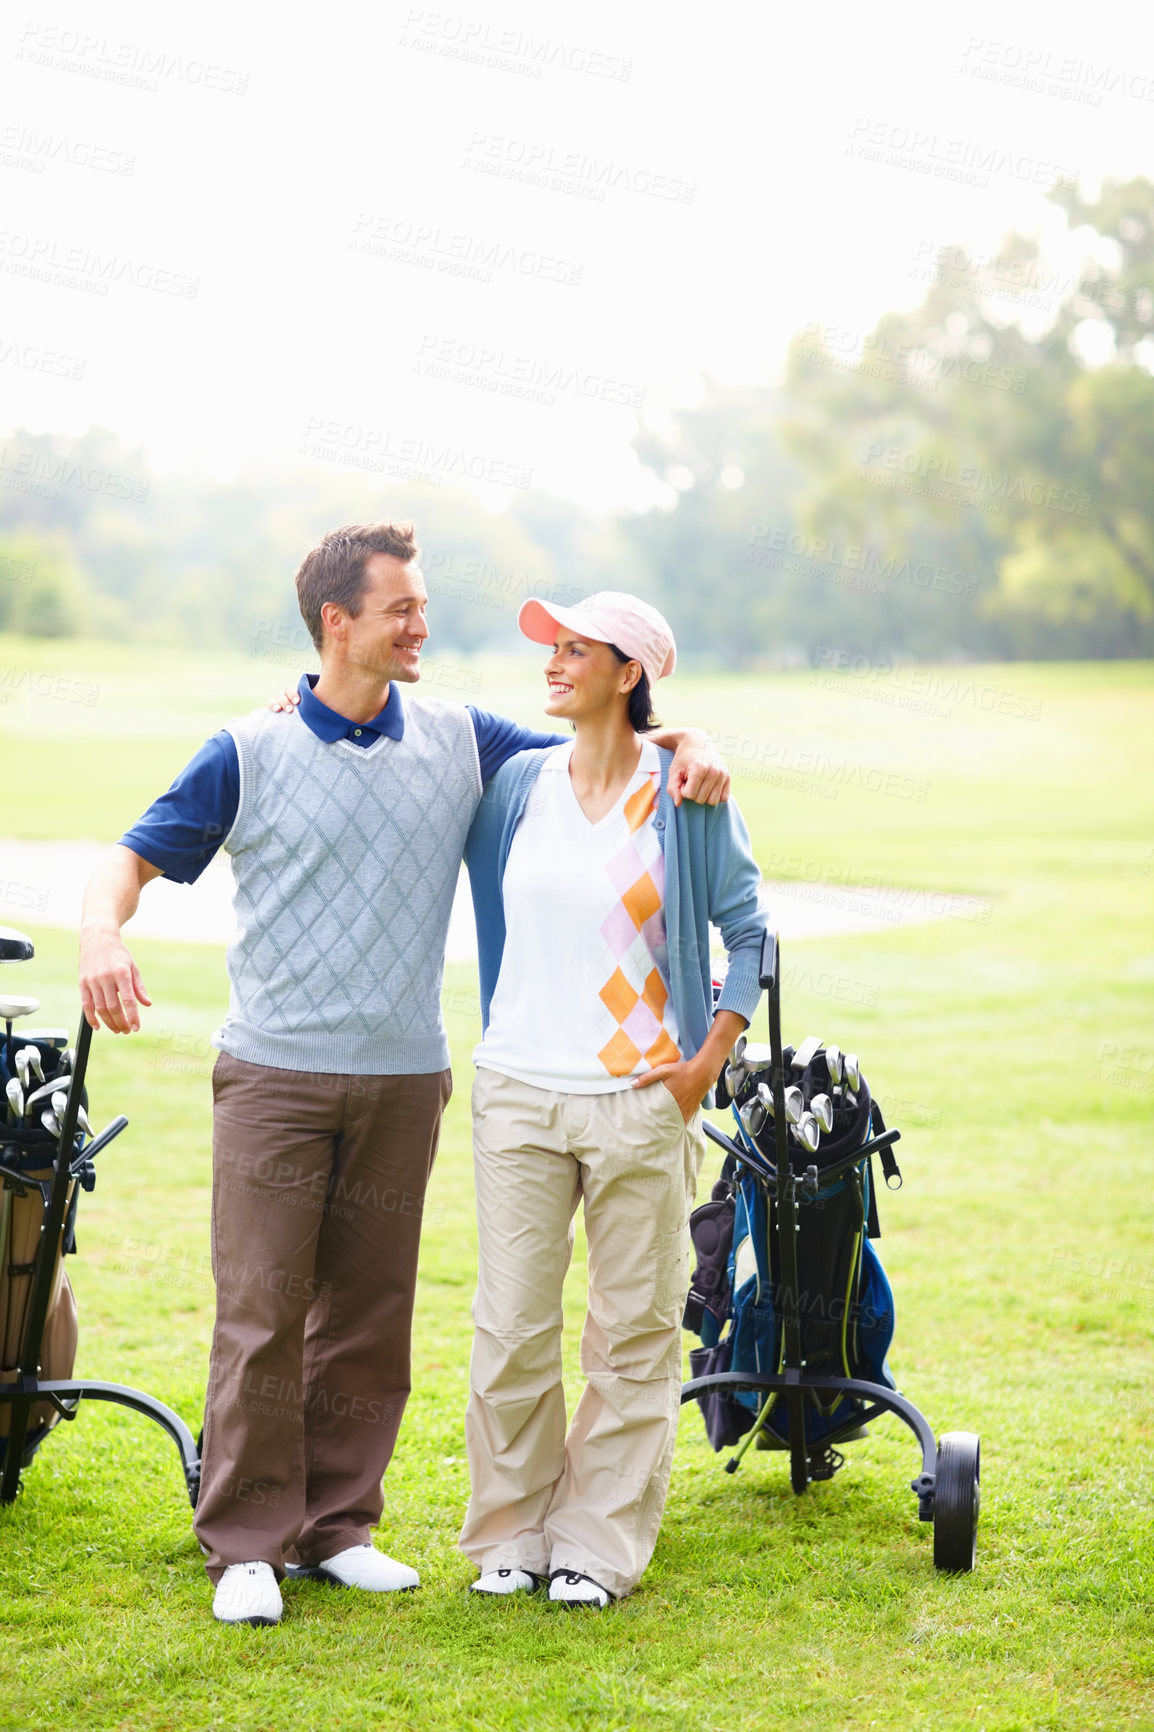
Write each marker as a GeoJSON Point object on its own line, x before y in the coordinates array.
{"type": "Point", "coordinates": [499, 739]}
{"type": "Point", "coordinates": [182, 830]}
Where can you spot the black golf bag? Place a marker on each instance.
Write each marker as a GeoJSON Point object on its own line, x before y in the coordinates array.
{"type": "Point", "coordinates": [844, 1301]}
{"type": "Point", "coordinates": [789, 1297]}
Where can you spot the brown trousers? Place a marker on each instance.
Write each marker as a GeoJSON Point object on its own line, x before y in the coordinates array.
{"type": "Point", "coordinates": [318, 1193]}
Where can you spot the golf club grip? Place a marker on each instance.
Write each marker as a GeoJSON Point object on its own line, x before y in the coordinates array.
{"type": "Point", "coordinates": [767, 973]}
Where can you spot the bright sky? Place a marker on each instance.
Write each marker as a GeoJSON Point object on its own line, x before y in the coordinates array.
{"type": "Point", "coordinates": [254, 232]}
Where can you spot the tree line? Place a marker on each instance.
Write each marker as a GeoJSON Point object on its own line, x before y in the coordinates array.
{"type": "Point", "coordinates": [968, 479]}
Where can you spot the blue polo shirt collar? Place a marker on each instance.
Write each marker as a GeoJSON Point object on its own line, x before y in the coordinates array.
{"type": "Point", "coordinates": [328, 726]}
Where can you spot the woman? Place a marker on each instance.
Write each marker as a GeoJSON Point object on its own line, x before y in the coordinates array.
{"type": "Point", "coordinates": [594, 893]}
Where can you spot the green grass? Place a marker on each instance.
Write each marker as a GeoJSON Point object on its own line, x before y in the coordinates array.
{"type": "Point", "coordinates": [1015, 1049]}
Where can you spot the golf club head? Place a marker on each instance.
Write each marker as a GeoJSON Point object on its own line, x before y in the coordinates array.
{"type": "Point", "coordinates": [822, 1109]}
{"type": "Point", "coordinates": [738, 1050]}
{"type": "Point", "coordinates": [794, 1105]}
{"type": "Point", "coordinates": [35, 1062]}
{"type": "Point", "coordinates": [758, 1055]}
{"type": "Point", "coordinates": [765, 1096]}
{"type": "Point", "coordinates": [808, 1133]}
{"type": "Point", "coordinates": [15, 1094]}
{"type": "Point", "coordinates": [68, 1059]}
{"type": "Point", "coordinates": [13, 1005]}
{"type": "Point", "coordinates": [59, 1104]}
{"type": "Point", "coordinates": [734, 1078]}
{"type": "Point", "coordinates": [50, 1122]}
{"type": "Point", "coordinates": [58, 1085]}
{"type": "Point", "coordinates": [84, 1121]}
{"type": "Point", "coordinates": [15, 946]}
{"type": "Point", "coordinates": [805, 1052]}
{"type": "Point", "coordinates": [753, 1117]}
{"type": "Point", "coordinates": [57, 1038]}
{"type": "Point", "coordinates": [24, 1068]}
{"type": "Point", "coordinates": [852, 1072]}
{"type": "Point", "coordinates": [833, 1062]}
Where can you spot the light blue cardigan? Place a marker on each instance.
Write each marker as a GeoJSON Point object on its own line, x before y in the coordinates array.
{"type": "Point", "coordinates": [710, 875]}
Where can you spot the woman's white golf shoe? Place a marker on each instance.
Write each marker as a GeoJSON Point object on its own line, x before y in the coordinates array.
{"type": "Point", "coordinates": [507, 1582]}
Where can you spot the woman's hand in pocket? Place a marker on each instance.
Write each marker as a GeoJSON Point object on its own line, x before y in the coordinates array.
{"type": "Point", "coordinates": [685, 1082]}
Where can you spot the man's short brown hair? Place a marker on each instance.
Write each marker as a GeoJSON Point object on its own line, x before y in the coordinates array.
{"type": "Point", "coordinates": [335, 570]}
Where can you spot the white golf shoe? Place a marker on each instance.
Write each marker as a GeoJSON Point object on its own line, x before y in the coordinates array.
{"type": "Point", "coordinates": [362, 1567]}
{"type": "Point", "coordinates": [571, 1588]}
{"type": "Point", "coordinates": [247, 1594]}
{"type": "Point", "coordinates": [507, 1582]}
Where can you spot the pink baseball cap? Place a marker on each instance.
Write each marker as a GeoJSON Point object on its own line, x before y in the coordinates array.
{"type": "Point", "coordinates": [637, 630]}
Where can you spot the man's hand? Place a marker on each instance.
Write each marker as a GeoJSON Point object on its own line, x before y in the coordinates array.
{"type": "Point", "coordinates": [698, 771]}
{"type": "Point", "coordinates": [287, 700]}
{"type": "Point", "coordinates": [687, 1082]}
{"type": "Point", "coordinates": [111, 990]}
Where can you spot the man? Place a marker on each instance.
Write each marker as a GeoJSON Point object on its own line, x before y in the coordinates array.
{"type": "Point", "coordinates": [345, 821]}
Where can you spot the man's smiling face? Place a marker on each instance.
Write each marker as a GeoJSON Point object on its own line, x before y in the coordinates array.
{"type": "Point", "coordinates": [385, 639]}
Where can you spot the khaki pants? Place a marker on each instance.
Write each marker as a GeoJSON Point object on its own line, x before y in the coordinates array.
{"type": "Point", "coordinates": [318, 1190]}
{"type": "Point", "coordinates": [591, 1500]}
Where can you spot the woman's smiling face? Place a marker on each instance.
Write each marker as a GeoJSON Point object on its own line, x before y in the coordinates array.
{"type": "Point", "coordinates": [585, 677]}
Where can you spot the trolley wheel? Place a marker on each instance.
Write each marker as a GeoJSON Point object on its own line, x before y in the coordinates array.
{"type": "Point", "coordinates": [957, 1498]}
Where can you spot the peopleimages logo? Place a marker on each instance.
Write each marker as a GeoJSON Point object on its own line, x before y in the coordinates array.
{"type": "Point", "coordinates": [44, 472]}
{"type": "Point", "coordinates": [382, 451]}
{"type": "Point", "coordinates": [473, 257]}
{"type": "Point", "coordinates": [966, 160]}
{"type": "Point", "coordinates": [1026, 67]}
{"type": "Point", "coordinates": [137, 65]}
{"type": "Point", "coordinates": [928, 473]}
{"type": "Point", "coordinates": [34, 358]}
{"type": "Point", "coordinates": [480, 43]}
{"type": "Point", "coordinates": [864, 567]}
{"type": "Point", "coordinates": [488, 367]}
{"type": "Point", "coordinates": [25, 147]}
{"type": "Point", "coordinates": [50, 260]}
{"type": "Point", "coordinates": [540, 163]}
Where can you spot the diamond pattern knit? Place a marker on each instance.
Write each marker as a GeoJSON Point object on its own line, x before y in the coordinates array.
{"type": "Point", "coordinates": [346, 861]}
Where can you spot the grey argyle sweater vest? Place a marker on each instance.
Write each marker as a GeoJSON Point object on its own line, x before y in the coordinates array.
{"type": "Point", "coordinates": [346, 860]}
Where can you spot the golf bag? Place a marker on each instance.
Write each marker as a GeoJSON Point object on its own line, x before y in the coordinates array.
{"type": "Point", "coordinates": [27, 1158]}
{"type": "Point", "coordinates": [843, 1300]}
{"type": "Point", "coordinates": [47, 1151]}
{"type": "Point", "coordinates": [789, 1297]}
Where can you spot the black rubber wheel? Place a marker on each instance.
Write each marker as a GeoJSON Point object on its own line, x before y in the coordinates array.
{"type": "Point", "coordinates": [957, 1499]}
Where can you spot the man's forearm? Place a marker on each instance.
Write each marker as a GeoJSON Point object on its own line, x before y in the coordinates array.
{"type": "Point", "coordinates": [672, 738]}
{"type": "Point", "coordinates": [112, 894]}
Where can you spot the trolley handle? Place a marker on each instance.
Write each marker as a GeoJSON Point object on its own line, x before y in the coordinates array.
{"type": "Point", "coordinates": [118, 1124]}
{"type": "Point", "coordinates": [756, 1165]}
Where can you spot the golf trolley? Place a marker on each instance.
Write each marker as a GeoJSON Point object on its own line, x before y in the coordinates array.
{"type": "Point", "coordinates": [789, 1297]}
{"type": "Point", "coordinates": [47, 1151]}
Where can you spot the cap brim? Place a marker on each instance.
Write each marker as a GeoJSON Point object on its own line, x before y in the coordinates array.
{"type": "Point", "coordinates": [539, 623]}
